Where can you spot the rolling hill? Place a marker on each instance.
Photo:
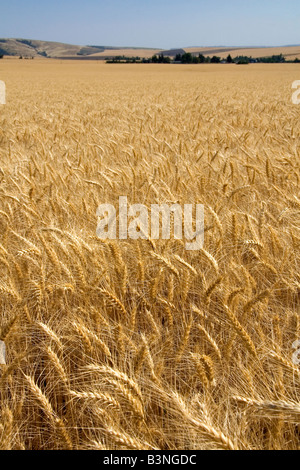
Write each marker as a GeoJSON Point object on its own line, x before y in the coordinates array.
{"type": "Point", "coordinates": [58, 50]}
{"type": "Point", "coordinates": [289, 52]}
{"type": "Point", "coordinates": [34, 48]}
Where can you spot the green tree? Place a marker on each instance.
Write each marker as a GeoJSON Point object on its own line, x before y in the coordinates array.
{"type": "Point", "coordinates": [187, 58]}
{"type": "Point", "coordinates": [243, 61]}
{"type": "Point", "coordinates": [229, 59]}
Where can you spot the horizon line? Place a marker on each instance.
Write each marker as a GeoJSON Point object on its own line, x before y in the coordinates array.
{"type": "Point", "coordinates": [158, 48]}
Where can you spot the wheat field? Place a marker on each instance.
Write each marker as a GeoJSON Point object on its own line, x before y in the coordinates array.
{"type": "Point", "coordinates": [140, 344]}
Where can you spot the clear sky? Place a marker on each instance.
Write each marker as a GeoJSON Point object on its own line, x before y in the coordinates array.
{"type": "Point", "coordinates": [154, 23]}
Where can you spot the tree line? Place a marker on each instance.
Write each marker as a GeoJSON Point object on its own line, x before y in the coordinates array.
{"type": "Point", "coordinates": [188, 58]}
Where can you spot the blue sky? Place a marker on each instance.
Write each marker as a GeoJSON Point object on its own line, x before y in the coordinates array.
{"type": "Point", "coordinates": [154, 23]}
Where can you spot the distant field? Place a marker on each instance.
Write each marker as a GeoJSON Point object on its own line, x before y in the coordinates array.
{"type": "Point", "coordinates": [141, 344]}
{"type": "Point", "coordinates": [292, 52]}
{"type": "Point", "coordinates": [144, 53]}
{"type": "Point", "coordinates": [36, 49]}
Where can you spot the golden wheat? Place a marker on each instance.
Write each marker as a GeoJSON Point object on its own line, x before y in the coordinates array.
{"type": "Point", "coordinates": [136, 344]}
